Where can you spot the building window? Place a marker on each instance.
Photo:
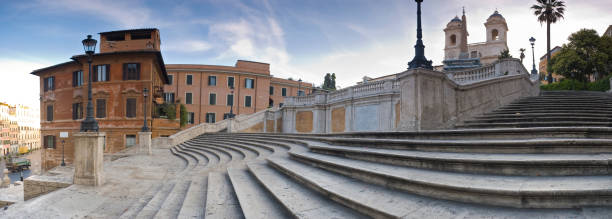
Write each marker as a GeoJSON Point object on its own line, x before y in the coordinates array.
{"type": "Point", "coordinates": [130, 140]}
{"type": "Point", "coordinates": [77, 78]}
{"type": "Point", "coordinates": [249, 83]}
{"type": "Point", "coordinates": [169, 97]}
{"type": "Point", "coordinates": [301, 93]}
{"type": "Point", "coordinates": [247, 101]}
{"type": "Point", "coordinates": [226, 115]}
{"type": "Point", "coordinates": [77, 111]}
{"type": "Point", "coordinates": [271, 90]}
{"type": "Point", "coordinates": [495, 34]}
{"type": "Point", "coordinates": [50, 113]}
{"type": "Point", "coordinates": [49, 83]}
{"type": "Point", "coordinates": [474, 54]}
{"type": "Point", "coordinates": [280, 105]}
{"type": "Point", "coordinates": [230, 99]}
{"type": "Point", "coordinates": [284, 91]}
{"type": "Point", "coordinates": [131, 71]}
{"type": "Point", "coordinates": [141, 35]}
{"type": "Point", "coordinates": [212, 99]}
{"type": "Point", "coordinates": [212, 80]}
{"type": "Point", "coordinates": [210, 117]}
{"type": "Point", "coordinates": [188, 98]}
{"type": "Point", "coordinates": [101, 108]}
{"type": "Point", "coordinates": [189, 80]}
{"type": "Point", "coordinates": [49, 141]}
{"type": "Point", "coordinates": [115, 37]}
{"type": "Point", "coordinates": [230, 81]}
{"type": "Point", "coordinates": [190, 117]}
{"type": "Point", "coordinates": [453, 39]}
{"type": "Point", "coordinates": [130, 108]}
{"type": "Point", "coordinates": [170, 79]}
{"type": "Point", "coordinates": [101, 73]}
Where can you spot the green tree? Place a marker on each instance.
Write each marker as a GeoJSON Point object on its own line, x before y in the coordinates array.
{"type": "Point", "coordinates": [329, 82]}
{"type": "Point", "coordinates": [549, 12]}
{"type": "Point", "coordinates": [183, 115]}
{"type": "Point", "coordinates": [333, 81]}
{"type": "Point", "coordinates": [504, 54]}
{"type": "Point", "coordinates": [586, 54]}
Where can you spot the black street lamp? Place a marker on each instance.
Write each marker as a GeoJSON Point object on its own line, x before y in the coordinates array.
{"type": "Point", "coordinates": [89, 124]}
{"type": "Point", "coordinates": [231, 114]}
{"type": "Point", "coordinates": [145, 93]}
{"type": "Point", "coordinates": [419, 60]}
{"type": "Point", "coordinates": [532, 41]}
{"type": "Point", "coordinates": [63, 146]}
{"type": "Point", "coordinates": [299, 86]}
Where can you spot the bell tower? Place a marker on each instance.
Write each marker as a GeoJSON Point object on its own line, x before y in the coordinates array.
{"type": "Point", "coordinates": [497, 28]}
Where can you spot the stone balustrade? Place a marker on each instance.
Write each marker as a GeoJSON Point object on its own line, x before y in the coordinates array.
{"type": "Point", "coordinates": [504, 67]}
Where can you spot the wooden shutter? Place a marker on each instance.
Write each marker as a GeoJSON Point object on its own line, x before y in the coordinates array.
{"type": "Point", "coordinates": [74, 78]}
{"type": "Point", "coordinates": [50, 113]}
{"type": "Point", "coordinates": [54, 141]}
{"type": "Point", "coordinates": [107, 72]}
{"type": "Point", "coordinates": [137, 71]}
{"type": "Point", "coordinates": [125, 71]}
{"type": "Point", "coordinates": [131, 107]}
{"type": "Point", "coordinates": [100, 108]}
{"type": "Point", "coordinates": [52, 82]}
{"type": "Point", "coordinates": [45, 84]}
{"type": "Point", "coordinates": [95, 73]}
{"type": "Point", "coordinates": [45, 145]}
{"type": "Point", "coordinates": [75, 111]}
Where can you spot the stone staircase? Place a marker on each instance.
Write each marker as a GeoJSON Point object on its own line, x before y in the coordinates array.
{"type": "Point", "coordinates": [550, 109]}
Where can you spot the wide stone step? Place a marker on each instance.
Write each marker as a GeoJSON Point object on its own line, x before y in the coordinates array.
{"type": "Point", "coordinates": [246, 152]}
{"type": "Point", "coordinates": [541, 119]}
{"type": "Point", "coordinates": [300, 201]}
{"type": "Point", "coordinates": [213, 158]}
{"type": "Point", "coordinates": [536, 115]}
{"type": "Point", "coordinates": [221, 201]}
{"type": "Point", "coordinates": [535, 124]}
{"type": "Point", "coordinates": [195, 198]}
{"type": "Point", "coordinates": [498, 164]}
{"type": "Point", "coordinates": [201, 158]}
{"type": "Point", "coordinates": [151, 208]}
{"type": "Point", "coordinates": [137, 206]}
{"type": "Point", "coordinates": [224, 156]}
{"type": "Point", "coordinates": [383, 202]}
{"type": "Point", "coordinates": [553, 109]}
{"type": "Point", "coordinates": [509, 191]}
{"type": "Point", "coordinates": [172, 205]}
{"type": "Point", "coordinates": [560, 145]}
{"type": "Point", "coordinates": [255, 201]}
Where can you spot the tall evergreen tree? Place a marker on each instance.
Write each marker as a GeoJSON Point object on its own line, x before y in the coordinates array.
{"type": "Point", "coordinates": [333, 82]}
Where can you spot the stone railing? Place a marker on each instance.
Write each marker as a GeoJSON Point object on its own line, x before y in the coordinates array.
{"type": "Point", "coordinates": [354, 92]}
{"type": "Point", "coordinates": [240, 122]}
{"type": "Point", "coordinates": [504, 67]}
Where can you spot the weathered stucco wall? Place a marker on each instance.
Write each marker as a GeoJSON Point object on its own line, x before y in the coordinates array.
{"type": "Point", "coordinates": [303, 121]}
{"type": "Point", "coordinates": [338, 119]}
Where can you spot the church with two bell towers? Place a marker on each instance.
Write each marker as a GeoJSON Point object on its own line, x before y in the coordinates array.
{"type": "Point", "coordinates": [459, 55]}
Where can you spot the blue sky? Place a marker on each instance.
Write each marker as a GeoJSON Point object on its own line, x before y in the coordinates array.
{"type": "Point", "coordinates": [299, 38]}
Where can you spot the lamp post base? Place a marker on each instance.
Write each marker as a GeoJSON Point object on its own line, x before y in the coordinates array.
{"type": "Point", "coordinates": [88, 158]}
{"type": "Point", "coordinates": [89, 125]}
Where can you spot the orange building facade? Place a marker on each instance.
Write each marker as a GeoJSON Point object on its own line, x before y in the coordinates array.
{"type": "Point", "coordinates": [206, 90]}
{"type": "Point", "coordinates": [128, 62]}
{"type": "Point", "coordinates": [120, 73]}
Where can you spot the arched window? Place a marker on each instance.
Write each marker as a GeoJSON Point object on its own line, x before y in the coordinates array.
{"type": "Point", "coordinates": [494, 34]}
{"type": "Point", "coordinates": [453, 39]}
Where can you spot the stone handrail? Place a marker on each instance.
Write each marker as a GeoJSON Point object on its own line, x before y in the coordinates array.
{"type": "Point", "coordinates": [240, 122]}
{"type": "Point", "coordinates": [499, 68]}
{"type": "Point", "coordinates": [357, 91]}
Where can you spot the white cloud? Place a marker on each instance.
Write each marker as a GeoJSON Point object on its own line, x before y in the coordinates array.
{"type": "Point", "coordinates": [128, 14]}
{"type": "Point", "coordinates": [17, 85]}
{"type": "Point", "coordinates": [187, 46]}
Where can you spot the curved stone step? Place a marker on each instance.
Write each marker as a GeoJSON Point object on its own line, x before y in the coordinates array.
{"type": "Point", "coordinates": [151, 208]}
{"type": "Point", "coordinates": [200, 157]}
{"type": "Point", "coordinates": [247, 153]}
{"type": "Point", "coordinates": [221, 201]}
{"type": "Point", "coordinates": [541, 119]}
{"type": "Point", "coordinates": [259, 149]}
{"type": "Point", "coordinates": [553, 110]}
{"type": "Point", "coordinates": [382, 202]}
{"type": "Point", "coordinates": [536, 124]}
{"type": "Point", "coordinates": [498, 164]}
{"type": "Point", "coordinates": [224, 156]}
{"type": "Point", "coordinates": [190, 156]}
{"type": "Point", "coordinates": [213, 158]}
{"type": "Point", "coordinates": [172, 205]}
{"type": "Point", "coordinates": [509, 191]}
{"type": "Point", "coordinates": [259, 204]}
{"type": "Point", "coordinates": [536, 115]}
{"type": "Point", "coordinates": [297, 199]}
{"type": "Point", "coordinates": [174, 152]}
{"type": "Point", "coordinates": [195, 199]}
{"type": "Point", "coordinates": [560, 145]}
{"type": "Point", "coordinates": [137, 206]}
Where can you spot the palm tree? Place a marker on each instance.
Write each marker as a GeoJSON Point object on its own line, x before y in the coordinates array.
{"type": "Point", "coordinates": [549, 11]}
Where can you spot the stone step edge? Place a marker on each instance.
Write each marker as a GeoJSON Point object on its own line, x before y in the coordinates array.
{"type": "Point", "coordinates": [507, 198]}
{"type": "Point", "coordinates": [481, 166]}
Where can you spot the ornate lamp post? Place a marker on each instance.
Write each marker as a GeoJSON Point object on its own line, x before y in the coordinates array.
{"type": "Point", "coordinates": [299, 86]}
{"type": "Point", "coordinates": [145, 93]}
{"type": "Point", "coordinates": [419, 60]}
{"type": "Point", "coordinates": [89, 124]}
{"type": "Point", "coordinates": [63, 146]}
{"type": "Point", "coordinates": [533, 70]}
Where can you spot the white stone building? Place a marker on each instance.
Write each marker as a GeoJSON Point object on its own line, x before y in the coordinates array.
{"type": "Point", "coordinates": [457, 48]}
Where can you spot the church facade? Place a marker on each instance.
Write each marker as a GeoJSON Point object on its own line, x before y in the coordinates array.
{"type": "Point", "coordinates": [459, 55]}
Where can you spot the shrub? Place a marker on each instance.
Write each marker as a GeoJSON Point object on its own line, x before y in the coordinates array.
{"type": "Point", "coordinates": [569, 84]}
{"type": "Point", "coordinates": [183, 115]}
